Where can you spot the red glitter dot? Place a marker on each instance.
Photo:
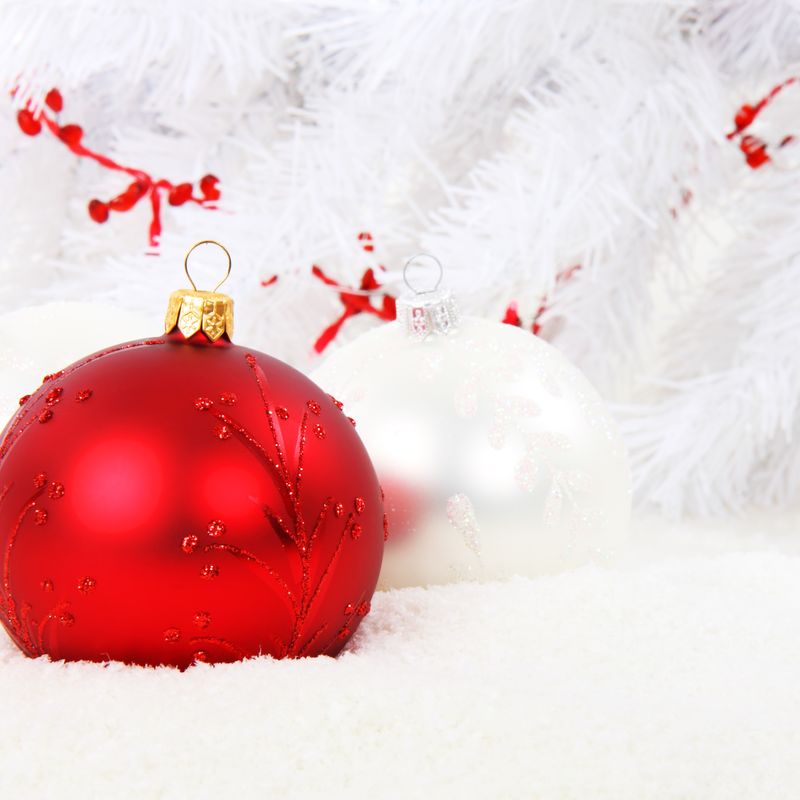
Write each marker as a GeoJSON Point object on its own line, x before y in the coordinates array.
{"type": "Point", "coordinates": [359, 504]}
{"type": "Point", "coordinates": [201, 657]}
{"type": "Point", "coordinates": [363, 609]}
{"type": "Point", "coordinates": [228, 398]}
{"type": "Point", "coordinates": [344, 632]}
{"type": "Point", "coordinates": [202, 619]}
{"type": "Point", "coordinates": [209, 571]}
{"type": "Point", "coordinates": [189, 543]}
{"type": "Point", "coordinates": [53, 396]}
{"type": "Point", "coordinates": [216, 528]}
{"type": "Point", "coordinates": [47, 585]}
{"type": "Point", "coordinates": [351, 421]}
{"type": "Point", "coordinates": [53, 376]}
{"type": "Point", "coordinates": [349, 609]}
{"type": "Point", "coordinates": [314, 407]}
{"type": "Point", "coordinates": [282, 413]}
{"type": "Point", "coordinates": [355, 531]}
{"type": "Point", "coordinates": [222, 431]}
{"type": "Point", "coordinates": [66, 619]}
{"type": "Point", "coordinates": [87, 585]}
{"type": "Point", "coordinates": [40, 480]}
{"type": "Point", "coordinates": [250, 359]}
{"type": "Point", "coordinates": [40, 517]}
{"type": "Point", "coordinates": [336, 402]}
{"type": "Point", "coordinates": [24, 399]}
{"type": "Point", "coordinates": [385, 528]}
{"type": "Point", "coordinates": [339, 510]}
{"type": "Point", "coordinates": [319, 431]}
{"type": "Point", "coordinates": [172, 635]}
{"type": "Point", "coordinates": [203, 404]}
{"type": "Point", "coordinates": [45, 416]}
{"type": "Point", "coordinates": [83, 394]}
{"type": "Point", "coordinates": [55, 491]}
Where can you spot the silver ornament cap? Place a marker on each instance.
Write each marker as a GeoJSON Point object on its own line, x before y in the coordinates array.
{"type": "Point", "coordinates": [430, 312]}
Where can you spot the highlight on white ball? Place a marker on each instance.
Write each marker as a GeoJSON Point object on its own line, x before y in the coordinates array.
{"type": "Point", "coordinates": [496, 455]}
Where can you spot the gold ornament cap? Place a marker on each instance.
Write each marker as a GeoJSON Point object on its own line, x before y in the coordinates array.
{"type": "Point", "coordinates": [192, 310]}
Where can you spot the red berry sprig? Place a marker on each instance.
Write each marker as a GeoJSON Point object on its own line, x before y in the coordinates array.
{"type": "Point", "coordinates": [755, 153]}
{"type": "Point", "coordinates": [512, 316]}
{"type": "Point", "coordinates": [143, 185]}
{"type": "Point", "coordinates": [755, 149]}
{"type": "Point", "coordinates": [355, 301]}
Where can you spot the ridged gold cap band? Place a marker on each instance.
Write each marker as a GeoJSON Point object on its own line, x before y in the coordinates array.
{"type": "Point", "coordinates": [190, 312]}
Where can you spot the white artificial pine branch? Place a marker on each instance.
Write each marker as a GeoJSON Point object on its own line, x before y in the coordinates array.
{"type": "Point", "coordinates": [513, 140]}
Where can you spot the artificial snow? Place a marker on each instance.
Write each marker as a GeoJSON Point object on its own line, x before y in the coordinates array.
{"type": "Point", "coordinates": [670, 674]}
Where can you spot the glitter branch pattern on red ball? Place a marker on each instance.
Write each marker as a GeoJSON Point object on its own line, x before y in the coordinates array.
{"type": "Point", "coordinates": [31, 122]}
{"type": "Point", "coordinates": [20, 625]}
{"type": "Point", "coordinates": [291, 525]}
{"type": "Point", "coordinates": [29, 633]}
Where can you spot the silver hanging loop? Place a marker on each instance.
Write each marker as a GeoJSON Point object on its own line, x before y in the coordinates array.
{"type": "Point", "coordinates": [417, 257]}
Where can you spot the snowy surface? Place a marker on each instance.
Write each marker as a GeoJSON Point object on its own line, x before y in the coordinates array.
{"type": "Point", "coordinates": [669, 674]}
{"type": "Point", "coordinates": [672, 673]}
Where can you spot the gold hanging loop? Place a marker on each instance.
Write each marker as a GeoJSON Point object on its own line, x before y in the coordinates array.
{"type": "Point", "coordinates": [193, 248]}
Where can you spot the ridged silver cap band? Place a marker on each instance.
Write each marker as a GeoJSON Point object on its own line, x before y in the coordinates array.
{"type": "Point", "coordinates": [427, 313]}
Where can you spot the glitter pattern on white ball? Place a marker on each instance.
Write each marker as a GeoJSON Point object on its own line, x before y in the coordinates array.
{"type": "Point", "coordinates": [496, 455]}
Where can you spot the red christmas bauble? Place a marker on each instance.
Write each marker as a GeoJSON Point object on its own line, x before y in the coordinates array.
{"type": "Point", "coordinates": [174, 500]}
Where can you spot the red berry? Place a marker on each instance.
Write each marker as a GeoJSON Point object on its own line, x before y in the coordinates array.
{"type": "Point", "coordinates": [512, 316]}
{"type": "Point", "coordinates": [122, 202]}
{"type": "Point", "coordinates": [757, 158]}
{"type": "Point", "coordinates": [179, 194]}
{"type": "Point", "coordinates": [744, 116]}
{"type": "Point", "coordinates": [208, 186]}
{"type": "Point", "coordinates": [98, 211]}
{"type": "Point", "coordinates": [129, 198]}
{"type": "Point", "coordinates": [755, 151]}
{"type": "Point", "coordinates": [54, 100]}
{"type": "Point", "coordinates": [28, 123]}
{"type": "Point", "coordinates": [71, 135]}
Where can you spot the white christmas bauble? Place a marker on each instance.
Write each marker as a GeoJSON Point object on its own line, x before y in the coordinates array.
{"type": "Point", "coordinates": [38, 340]}
{"type": "Point", "coordinates": [496, 455]}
